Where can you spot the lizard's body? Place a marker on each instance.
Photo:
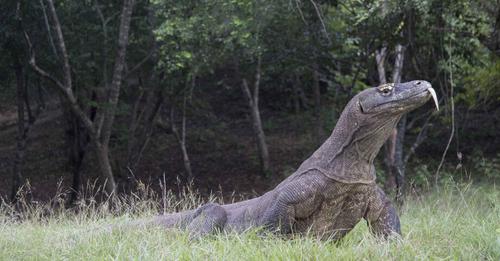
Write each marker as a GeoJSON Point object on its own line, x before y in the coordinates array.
{"type": "Point", "coordinates": [334, 188]}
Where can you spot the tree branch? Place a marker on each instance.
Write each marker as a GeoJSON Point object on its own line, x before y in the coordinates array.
{"type": "Point", "coordinates": [139, 64]}
{"type": "Point", "coordinates": [420, 138]}
{"type": "Point", "coordinates": [67, 92]}
{"type": "Point", "coordinates": [320, 17]}
{"type": "Point", "coordinates": [62, 45]}
{"type": "Point", "coordinates": [46, 20]}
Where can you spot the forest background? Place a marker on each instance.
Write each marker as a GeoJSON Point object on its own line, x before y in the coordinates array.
{"type": "Point", "coordinates": [231, 96]}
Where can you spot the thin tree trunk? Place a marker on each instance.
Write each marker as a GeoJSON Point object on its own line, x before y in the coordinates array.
{"type": "Point", "coordinates": [23, 125]}
{"type": "Point", "coordinates": [49, 33]}
{"type": "Point", "coordinates": [135, 119]}
{"type": "Point", "coordinates": [143, 140]}
{"type": "Point", "coordinates": [380, 59]}
{"type": "Point", "coordinates": [113, 95]}
{"type": "Point", "coordinates": [104, 23]}
{"type": "Point", "coordinates": [295, 95]}
{"type": "Point", "coordinates": [253, 104]}
{"type": "Point", "coordinates": [21, 132]}
{"type": "Point", "coordinates": [399, 164]}
{"type": "Point", "coordinates": [400, 129]}
{"type": "Point", "coordinates": [119, 67]}
{"type": "Point", "coordinates": [77, 159]}
{"type": "Point", "coordinates": [394, 146]}
{"type": "Point", "coordinates": [452, 134]}
{"type": "Point", "coordinates": [77, 140]}
{"type": "Point", "coordinates": [261, 139]}
{"type": "Point", "coordinates": [302, 95]}
{"type": "Point", "coordinates": [142, 123]}
{"type": "Point", "coordinates": [299, 99]}
{"type": "Point", "coordinates": [40, 99]}
{"type": "Point", "coordinates": [102, 154]}
{"type": "Point", "coordinates": [398, 63]}
{"type": "Point", "coordinates": [320, 131]}
{"type": "Point", "coordinates": [181, 138]}
{"type": "Point", "coordinates": [380, 56]}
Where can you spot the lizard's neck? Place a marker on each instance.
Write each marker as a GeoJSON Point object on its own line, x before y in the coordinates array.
{"type": "Point", "coordinates": [348, 154]}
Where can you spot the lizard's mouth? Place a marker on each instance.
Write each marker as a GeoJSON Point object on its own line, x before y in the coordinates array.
{"type": "Point", "coordinates": [401, 98]}
{"type": "Point", "coordinates": [429, 91]}
{"type": "Point", "coordinates": [415, 99]}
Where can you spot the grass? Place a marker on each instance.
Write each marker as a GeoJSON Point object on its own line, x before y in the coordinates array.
{"type": "Point", "coordinates": [456, 222]}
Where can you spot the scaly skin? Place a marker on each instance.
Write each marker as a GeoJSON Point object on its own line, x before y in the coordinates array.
{"type": "Point", "coordinates": [333, 189]}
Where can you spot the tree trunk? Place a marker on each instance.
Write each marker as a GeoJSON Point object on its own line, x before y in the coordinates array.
{"type": "Point", "coordinates": [186, 161]}
{"type": "Point", "coordinates": [261, 139]}
{"type": "Point", "coordinates": [181, 137]}
{"type": "Point", "coordinates": [299, 100]}
{"type": "Point", "coordinates": [113, 91]}
{"type": "Point", "coordinates": [119, 67]}
{"type": "Point", "coordinates": [394, 146]}
{"type": "Point", "coordinates": [102, 156]}
{"type": "Point", "coordinates": [320, 131]}
{"type": "Point", "coordinates": [21, 132]}
{"type": "Point", "coordinates": [252, 98]}
{"type": "Point", "coordinates": [77, 142]}
{"type": "Point", "coordinates": [141, 125]}
{"type": "Point", "coordinates": [295, 95]}
{"type": "Point", "coordinates": [76, 184]}
{"type": "Point", "coordinates": [380, 59]}
{"type": "Point", "coordinates": [399, 163]}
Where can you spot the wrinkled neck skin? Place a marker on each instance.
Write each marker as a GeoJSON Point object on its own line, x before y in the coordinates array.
{"type": "Point", "coordinates": [347, 155]}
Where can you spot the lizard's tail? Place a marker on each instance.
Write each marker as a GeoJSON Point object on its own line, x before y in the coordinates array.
{"type": "Point", "coordinates": [172, 220]}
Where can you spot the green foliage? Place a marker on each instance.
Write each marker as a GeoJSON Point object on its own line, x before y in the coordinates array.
{"type": "Point", "coordinates": [421, 176]}
{"type": "Point", "coordinates": [482, 86]}
{"type": "Point", "coordinates": [205, 35]}
{"type": "Point", "coordinates": [486, 168]}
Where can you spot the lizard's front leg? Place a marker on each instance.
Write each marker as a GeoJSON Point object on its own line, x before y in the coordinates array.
{"type": "Point", "coordinates": [381, 215]}
{"type": "Point", "coordinates": [296, 199]}
{"type": "Point", "coordinates": [207, 219]}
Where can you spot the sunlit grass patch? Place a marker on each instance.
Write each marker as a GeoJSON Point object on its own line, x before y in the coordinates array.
{"type": "Point", "coordinates": [452, 223]}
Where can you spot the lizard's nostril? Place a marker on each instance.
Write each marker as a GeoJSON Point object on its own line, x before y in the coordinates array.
{"type": "Point", "coordinates": [419, 82]}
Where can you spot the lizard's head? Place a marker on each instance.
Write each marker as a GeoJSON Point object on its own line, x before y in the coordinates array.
{"type": "Point", "coordinates": [363, 127]}
{"type": "Point", "coordinates": [395, 99]}
{"type": "Point", "coordinates": [372, 114]}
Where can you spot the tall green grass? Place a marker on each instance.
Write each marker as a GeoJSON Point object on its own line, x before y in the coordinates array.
{"type": "Point", "coordinates": [456, 222]}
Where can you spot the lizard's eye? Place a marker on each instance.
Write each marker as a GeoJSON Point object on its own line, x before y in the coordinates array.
{"type": "Point", "coordinates": [386, 89]}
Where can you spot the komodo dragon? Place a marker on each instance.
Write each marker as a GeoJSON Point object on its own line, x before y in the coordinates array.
{"type": "Point", "coordinates": [334, 188]}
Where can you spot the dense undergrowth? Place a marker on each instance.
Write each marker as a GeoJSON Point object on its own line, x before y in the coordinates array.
{"type": "Point", "coordinates": [452, 222]}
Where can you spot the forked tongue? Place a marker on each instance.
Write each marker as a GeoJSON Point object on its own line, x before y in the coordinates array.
{"type": "Point", "coordinates": [434, 97]}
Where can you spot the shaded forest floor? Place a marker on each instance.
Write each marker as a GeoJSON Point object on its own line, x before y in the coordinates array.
{"type": "Point", "coordinates": [454, 222]}
{"type": "Point", "coordinates": [220, 143]}
{"type": "Point", "coordinates": [223, 155]}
